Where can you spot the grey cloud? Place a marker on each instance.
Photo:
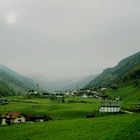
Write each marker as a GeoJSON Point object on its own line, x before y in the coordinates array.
{"type": "Point", "coordinates": [62, 38]}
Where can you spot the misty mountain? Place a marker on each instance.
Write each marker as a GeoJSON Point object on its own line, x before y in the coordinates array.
{"type": "Point", "coordinates": [66, 84]}
{"type": "Point", "coordinates": [80, 83]}
{"type": "Point", "coordinates": [126, 72]}
{"type": "Point", "coordinates": [12, 83]}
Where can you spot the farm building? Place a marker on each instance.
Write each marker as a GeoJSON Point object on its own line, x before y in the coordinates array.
{"type": "Point", "coordinates": [110, 107]}
{"type": "Point", "coordinates": [12, 117]}
{"type": "Point", "coordinates": [37, 118]}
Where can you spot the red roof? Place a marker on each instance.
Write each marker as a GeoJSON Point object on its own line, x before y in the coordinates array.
{"type": "Point", "coordinates": [11, 115]}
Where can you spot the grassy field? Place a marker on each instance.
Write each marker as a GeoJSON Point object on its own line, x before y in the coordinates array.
{"type": "Point", "coordinates": [74, 125]}
{"type": "Point", "coordinates": [129, 96]}
{"type": "Point", "coordinates": [101, 128]}
{"type": "Point", "coordinates": [45, 106]}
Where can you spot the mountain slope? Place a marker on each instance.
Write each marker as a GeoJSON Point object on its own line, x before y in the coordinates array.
{"type": "Point", "coordinates": [127, 71]}
{"type": "Point", "coordinates": [133, 75]}
{"type": "Point", "coordinates": [12, 83]}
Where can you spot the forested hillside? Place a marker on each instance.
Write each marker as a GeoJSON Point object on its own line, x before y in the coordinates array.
{"type": "Point", "coordinates": [126, 72]}
{"type": "Point", "coordinates": [12, 83]}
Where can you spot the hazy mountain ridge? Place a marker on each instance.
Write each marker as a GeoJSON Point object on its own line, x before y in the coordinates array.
{"type": "Point", "coordinates": [65, 84]}
{"type": "Point", "coordinates": [128, 67]}
{"type": "Point", "coordinates": [12, 83]}
{"type": "Point", "coordinates": [80, 83]}
{"type": "Point", "coordinates": [126, 72]}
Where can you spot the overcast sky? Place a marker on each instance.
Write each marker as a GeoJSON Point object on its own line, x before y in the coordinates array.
{"type": "Point", "coordinates": [67, 38]}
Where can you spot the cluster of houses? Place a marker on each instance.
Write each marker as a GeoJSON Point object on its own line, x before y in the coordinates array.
{"type": "Point", "coordinates": [17, 117]}
{"type": "Point", "coordinates": [84, 93]}
{"type": "Point", "coordinates": [59, 96]}
{"type": "Point", "coordinates": [81, 93]}
{"type": "Point", "coordinates": [91, 94]}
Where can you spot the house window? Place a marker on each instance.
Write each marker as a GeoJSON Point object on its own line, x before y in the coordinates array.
{"type": "Point", "coordinates": [107, 109]}
{"type": "Point", "coordinates": [102, 110]}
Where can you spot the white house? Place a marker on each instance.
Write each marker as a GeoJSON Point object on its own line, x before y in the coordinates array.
{"type": "Point", "coordinates": [110, 107]}
{"type": "Point", "coordinates": [84, 96]}
{"type": "Point", "coordinates": [103, 89]}
{"type": "Point", "coordinates": [12, 117]}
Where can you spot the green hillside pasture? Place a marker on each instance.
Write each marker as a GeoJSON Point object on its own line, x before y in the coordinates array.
{"type": "Point", "coordinates": [102, 128]}
{"type": "Point", "coordinates": [129, 95]}
{"type": "Point", "coordinates": [55, 109]}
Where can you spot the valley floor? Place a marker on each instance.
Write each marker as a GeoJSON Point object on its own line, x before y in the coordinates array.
{"type": "Point", "coordinates": [74, 125]}
{"type": "Point", "coordinates": [119, 127]}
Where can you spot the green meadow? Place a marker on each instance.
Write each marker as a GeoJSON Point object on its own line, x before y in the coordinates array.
{"type": "Point", "coordinates": [73, 124]}
{"type": "Point", "coordinates": [119, 127]}
{"type": "Point", "coordinates": [78, 108]}
{"type": "Point", "coordinates": [129, 95]}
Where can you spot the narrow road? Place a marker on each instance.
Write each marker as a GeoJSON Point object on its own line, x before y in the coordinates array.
{"type": "Point", "coordinates": [128, 112]}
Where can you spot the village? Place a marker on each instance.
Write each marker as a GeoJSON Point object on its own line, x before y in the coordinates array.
{"type": "Point", "coordinates": [106, 105]}
{"type": "Point", "coordinates": [83, 93]}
